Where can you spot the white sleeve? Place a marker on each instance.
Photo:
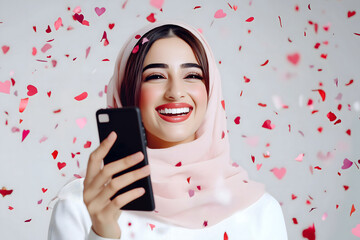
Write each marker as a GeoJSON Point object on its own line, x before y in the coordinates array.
{"type": "Point", "coordinates": [273, 221]}
{"type": "Point", "coordinates": [69, 220]}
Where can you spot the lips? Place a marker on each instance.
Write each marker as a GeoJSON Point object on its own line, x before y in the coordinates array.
{"type": "Point", "coordinates": [174, 112]}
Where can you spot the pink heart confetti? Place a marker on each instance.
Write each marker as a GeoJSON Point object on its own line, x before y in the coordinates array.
{"type": "Point", "coordinates": [356, 231]}
{"type": "Point", "coordinates": [219, 14]}
{"type": "Point", "coordinates": [32, 90]}
{"type": "Point", "coordinates": [258, 166]}
{"type": "Point", "coordinates": [46, 47]}
{"type": "Point", "coordinates": [39, 202]}
{"type": "Point", "coordinates": [152, 226]}
{"type": "Point", "coordinates": [23, 104]}
{"type": "Point", "coordinates": [61, 165]}
{"type": "Point", "coordinates": [157, 3]}
{"type": "Point", "coordinates": [279, 173]}
{"type": "Point", "coordinates": [5, 49]}
{"type": "Point", "coordinates": [77, 9]}
{"type": "Point", "coordinates": [43, 139]}
{"type": "Point", "coordinates": [15, 129]}
{"type": "Point", "coordinates": [100, 11]}
{"type": "Point", "coordinates": [58, 23]}
{"type": "Point", "coordinates": [346, 164]}
{"type": "Point", "coordinates": [5, 87]}
{"type": "Point", "coordinates": [87, 52]}
{"type": "Point", "coordinates": [294, 58]}
{"type": "Point", "coordinates": [81, 122]}
{"type": "Point", "coordinates": [25, 133]}
{"type": "Point", "coordinates": [151, 18]}
{"type": "Point", "coordinates": [34, 51]}
{"type": "Point", "coordinates": [81, 96]}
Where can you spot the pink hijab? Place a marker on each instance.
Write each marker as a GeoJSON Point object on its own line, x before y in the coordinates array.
{"type": "Point", "coordinates": [195, 184]}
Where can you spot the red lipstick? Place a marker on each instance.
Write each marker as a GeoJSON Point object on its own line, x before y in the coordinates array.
{"type": "Point", "coordinates": [174, 112]}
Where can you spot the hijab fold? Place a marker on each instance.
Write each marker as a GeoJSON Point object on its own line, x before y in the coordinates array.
{"type": "Point", "coordinates": [195, 184]}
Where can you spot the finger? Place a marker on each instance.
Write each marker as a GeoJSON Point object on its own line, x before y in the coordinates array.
{"type": "Point", "coordinates": [123, 199]}
{"type": "Point", "coordinates": [118, 183]}
{"type": "Point", "coordinates": [105, 175]}
{"type": "Point", "coordinates": [97, 156]}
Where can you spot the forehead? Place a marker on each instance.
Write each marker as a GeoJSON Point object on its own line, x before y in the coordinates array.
{"type": "Point", "coordinates": [172, 50]}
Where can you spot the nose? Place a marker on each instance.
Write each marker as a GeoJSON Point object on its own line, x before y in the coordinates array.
{"type": "Point", "coordinates": [175, 89]}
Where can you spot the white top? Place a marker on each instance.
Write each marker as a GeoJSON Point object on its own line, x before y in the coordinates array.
{"type": "Point", "coordinates": [70, 220]}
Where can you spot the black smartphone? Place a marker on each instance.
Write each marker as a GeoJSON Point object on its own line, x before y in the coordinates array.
{"type": "Point", "coordinates": [131, 138]}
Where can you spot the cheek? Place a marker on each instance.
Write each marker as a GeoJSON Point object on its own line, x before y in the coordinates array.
{"type": "Point", "coordinates": [148, 96]}
{"type": "Point", "coordinates": [199, 94]}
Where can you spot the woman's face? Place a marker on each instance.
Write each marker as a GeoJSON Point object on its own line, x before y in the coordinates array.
{"type": "Point", "coordinates": [173, 96]}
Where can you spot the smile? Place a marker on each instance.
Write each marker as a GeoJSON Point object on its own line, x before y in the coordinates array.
{"type": "Point", "coordinates": [174, 112]}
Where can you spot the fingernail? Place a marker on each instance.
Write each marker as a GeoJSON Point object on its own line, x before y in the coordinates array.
{"type": "Point", "coordinates": [112, 135]}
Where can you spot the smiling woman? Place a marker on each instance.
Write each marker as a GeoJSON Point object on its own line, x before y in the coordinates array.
{"type": "Point", "coordinates": [170, 73]}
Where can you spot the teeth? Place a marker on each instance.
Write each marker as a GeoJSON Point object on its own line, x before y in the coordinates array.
{"type": "Point", "coordinates": [174, 110]}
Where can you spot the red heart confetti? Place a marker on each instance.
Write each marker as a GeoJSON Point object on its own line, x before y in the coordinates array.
{"type": "Point", "coordinates": [111, 25]}
{"type": "Point", "coordinates": [267, 124]}
{"type": "Point", "coordinates": [331, 116]}
{"type": "Point", "coordinates": [61, 165]}
{"type": "Point", "coordinates": [44, 190]}
{"type": "Point", "coordinates": [81, 96]}
{"type": "Point", "coordinates": [78, 17]}
{"type": "Point", "coordinates": [32, 90]}
{"type": "Point", "coordinates": [246, 79]}
{"type": "Point", "coordinates": [309, 233]}
{"type": "Point", "coordinates": [237, 120]}
{"type": "Point", "coordinates": [87, 144]}
{"type": "Point", "coordinates": [4, 192]}
{"type": "Point", "coordinates": [5, 49]}
{"type": "Point", "coordinates": [25, 133]}
{"type": "Point", "coordinates": [151, 18]}
{"type": "Point", "coordinates": [351, 13]}
{"type": "Point", "coordinates": [55, 154]}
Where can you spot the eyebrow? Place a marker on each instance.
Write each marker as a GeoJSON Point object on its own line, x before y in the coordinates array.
{"type": "Point", "coordinates": [163, 65]}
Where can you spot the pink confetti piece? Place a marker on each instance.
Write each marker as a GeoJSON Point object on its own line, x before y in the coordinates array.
{"type": "Point", "coordinates": [43, 139]}
{"type": "Point", "coordinates": [5, 87]}
{"type": "Point", "coordinates": [279, 173]}
{"type": "Point", "coordinates": [100, 11]}
{"type": "Point", "coordinates": [23, 104]}
{"type": "Point", "coordinates": [25, 133]}
{"type": "Point", "coordinates": [267, 124]}
{"type": "Point", "coordinates": [4, 192]}
{"type": "Point", "coordinates": [145, 40]}
{"type": "Point", "coordinates": [157, 3]}
{"type": "Point", "coordinates": [151, 18]}
{"type": "Point", "coordinates": [39, 202]}
{"type": "Point", "coordinates": [61, 165]}
{"type": "Point", "coordinates": [77, 9]}
{"type": "Point", "coordinates": [250, 19]}
{"type": "Point", "coordinates": [77, 176]}
{"type": "Point", "coordinates": [237, 120]}
{"type": "Point", "coordinates": [300, 157]}
{"type": "Point", "coordinates": [81, 97]}
{"type": "Point", "coordinates": [87, 52]}
{"type": "Point", "coordinates": [191, 193]}
{"type": "Point", "coordinates": [152, 226]}
{"type": "Point", "coordinates": [351, 13]}
{"type": "Point", "coordinates": [58, 23]}
{"type": "Point", "coordinates": [258, 166]}
{"type": "Point", "coordinates": [309, 233]}
{"type": "Point", "coordinates": [280, 21]}
{"type": "Point", "coordinates": [356, 231]}
{"type": "Point", "coordinates": [87, 144]}
{"type": "Point", "coordinates": [346, 164]}
{"type": "Point", "coordinates": [294, 58]}
{"type": "Point", "coordinates": [34, 51]}
{"type": "Point", "coordinates": [15, 129]}
{"type": "Point", "coordinates": [81, 122]}
{"type": "Point", "coordinates": [5, 49]}
{"type": "Point", "coordinates": [219, 14]}
{"type": "Point", "coordinates": [46, 47]}
{"type": "Point", "coordinates": [32, 90]}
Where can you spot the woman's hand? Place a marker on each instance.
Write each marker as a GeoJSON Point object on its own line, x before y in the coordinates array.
{"type": "Point", "coordinates": [99, 187]}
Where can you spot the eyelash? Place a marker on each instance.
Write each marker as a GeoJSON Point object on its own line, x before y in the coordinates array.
{"type": "Point", "coordinates": [158, 76]}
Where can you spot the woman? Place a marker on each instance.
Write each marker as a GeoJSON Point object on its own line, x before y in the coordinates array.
{"type": "Point", "coordinates": [169, 72]}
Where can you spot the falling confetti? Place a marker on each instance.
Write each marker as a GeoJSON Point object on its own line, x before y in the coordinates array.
{"type": "Point", "coordinates": [5, 87]}
{"type": "Point", "coordinates": [81, 97]}
{"type": "Point", "coordinates": [151, 18]}
{"type": "Point", "coordinates": [309, 233]}
{"type": "Point", "coordinates": [5, 49]}
{"type": "Point", "coordinates": [219, 14]}
{"type": "Point", "coordinates": [100, 11]}
{"type": "Point", "coordinates": [58, 23]}
{"type": "Point", "coordinates": [4, 192]}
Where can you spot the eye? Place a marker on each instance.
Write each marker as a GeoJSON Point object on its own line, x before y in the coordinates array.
{"type": "Point", "coordinates": [194, 76]}
{"type": "Point", "coordinates": [153, 77]}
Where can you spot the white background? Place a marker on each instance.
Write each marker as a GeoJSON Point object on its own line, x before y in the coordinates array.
{"type": "Point", "coordinates": [28, 166]}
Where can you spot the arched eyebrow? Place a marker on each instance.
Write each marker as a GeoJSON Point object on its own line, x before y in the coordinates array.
{"type": "Point", "coordinates": [163, 65]}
